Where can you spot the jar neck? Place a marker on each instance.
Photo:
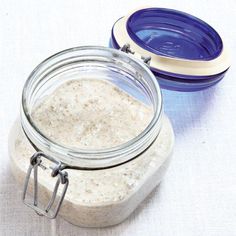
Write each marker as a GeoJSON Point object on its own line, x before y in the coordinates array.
{"type": "Point", "coordinates": [68, 59]}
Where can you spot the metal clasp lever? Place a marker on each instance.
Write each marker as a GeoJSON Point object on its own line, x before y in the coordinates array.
{"type": "Point", "coordinates": [126, 48]}
{"type": "Point", "coordinates": [35, 162]}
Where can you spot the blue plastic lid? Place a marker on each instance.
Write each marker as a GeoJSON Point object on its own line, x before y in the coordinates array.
{"type": "Point", "coordinates": [174, 34]}
{"type": "Point", "coordinates": [188, 52]}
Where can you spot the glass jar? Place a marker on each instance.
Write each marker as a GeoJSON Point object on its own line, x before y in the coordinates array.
{"type": "Point", "coordinates": [90, 187]}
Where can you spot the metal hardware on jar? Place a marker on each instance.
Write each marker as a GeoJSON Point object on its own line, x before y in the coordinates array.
{"type": "Point", "coordinates": [126, 48]}
{"type": "Point", "coordinates": [57, 171]}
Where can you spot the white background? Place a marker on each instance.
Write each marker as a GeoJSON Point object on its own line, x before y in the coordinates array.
{"type": "Point", "coordinates": [198, 194]}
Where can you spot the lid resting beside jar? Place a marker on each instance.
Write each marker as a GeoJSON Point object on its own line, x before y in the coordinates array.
{"type": "Point", "coordinates": [186, 53]}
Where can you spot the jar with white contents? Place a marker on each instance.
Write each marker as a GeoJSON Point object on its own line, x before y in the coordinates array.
{"type": "Point", "coordinates": [92, 140]}
{"type": "Point", "coordinates": [92, 118]}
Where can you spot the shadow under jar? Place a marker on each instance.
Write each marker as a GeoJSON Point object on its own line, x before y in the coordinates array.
{"type": "Point", "coordinates": [92, 140]}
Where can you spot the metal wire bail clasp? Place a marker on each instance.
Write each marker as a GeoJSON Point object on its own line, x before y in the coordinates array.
{"type": "Point", "coordinates": [127, 49]}
{"type": "Point", "coordinates": [35, 162]}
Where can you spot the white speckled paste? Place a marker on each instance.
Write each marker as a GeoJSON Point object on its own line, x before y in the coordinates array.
{"type": "Point", "coordinates": [95, 114]}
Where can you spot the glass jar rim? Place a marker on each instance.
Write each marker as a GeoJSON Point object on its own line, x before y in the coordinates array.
{"type": "Point", "coordinates": [86, 158]}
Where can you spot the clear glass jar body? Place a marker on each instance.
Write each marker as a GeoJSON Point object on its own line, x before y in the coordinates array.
{"type": "Point", "coordinates": [110, 183]}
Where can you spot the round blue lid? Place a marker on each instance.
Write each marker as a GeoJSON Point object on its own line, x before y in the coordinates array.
{"type": "Point", "coordinates": [186, 53]}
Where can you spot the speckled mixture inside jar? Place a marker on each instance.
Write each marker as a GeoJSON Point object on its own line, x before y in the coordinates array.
{"type": "Point", "coordinates": [91, 114]}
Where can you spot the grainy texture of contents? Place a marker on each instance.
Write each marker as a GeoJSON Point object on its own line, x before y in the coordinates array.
{"type": "Point", "coordinates": [96, 114]}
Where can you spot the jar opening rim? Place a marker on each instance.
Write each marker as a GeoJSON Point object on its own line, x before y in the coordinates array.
{"type": "Point", "coordinates": [83, 157]}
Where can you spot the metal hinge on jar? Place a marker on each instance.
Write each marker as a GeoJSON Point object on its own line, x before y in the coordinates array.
{"type": "Point", "coordinates": [126, 48]}
{"type": "Point", "coordinates": [62, 178]}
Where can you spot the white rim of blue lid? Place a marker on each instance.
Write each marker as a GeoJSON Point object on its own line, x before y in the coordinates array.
{"type": "Point", "coordinates": [173, 65]}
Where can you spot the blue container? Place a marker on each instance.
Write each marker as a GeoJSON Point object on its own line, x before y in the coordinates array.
{"type": "Point", "coordinates": [186, 53]}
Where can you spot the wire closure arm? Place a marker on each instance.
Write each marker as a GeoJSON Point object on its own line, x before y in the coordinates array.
{"type": "Point", "coordinates": [127, 49]}
{"type": "Point", "coordinates": [62, 178]}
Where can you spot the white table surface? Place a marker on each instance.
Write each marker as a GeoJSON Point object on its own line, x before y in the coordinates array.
{"type": "Point", "coordinates": [198, 194]}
